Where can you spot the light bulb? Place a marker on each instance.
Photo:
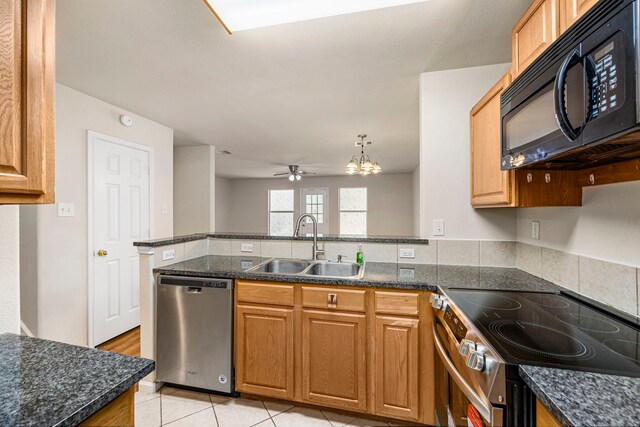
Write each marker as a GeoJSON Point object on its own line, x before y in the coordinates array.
{"type": "Point", "coordinates": [376, 168]}
{"type": "Point", "coordinates": [350, 171]}
{"type": "Point", "coordinates": [291, 177]}
{"type": "Point", "coordinates": [298, 177]}
{"type": "Point", "coordinates": [367, 166]}
{"type": "Point", "coordinates": [352, 165]}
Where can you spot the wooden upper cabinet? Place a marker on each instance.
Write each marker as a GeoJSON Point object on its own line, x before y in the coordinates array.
{"type": "Point", "coordinates": [572, 10]}
{"type": "Point", "coordinates": [534, 32]}
{"type": "Point", "coordinates": [27, 66]}
{"type": "Point", "coordinates": [490, 186]}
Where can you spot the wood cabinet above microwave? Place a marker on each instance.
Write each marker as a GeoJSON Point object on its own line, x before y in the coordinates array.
{"type": "Point", "coordinates": [27, 66]}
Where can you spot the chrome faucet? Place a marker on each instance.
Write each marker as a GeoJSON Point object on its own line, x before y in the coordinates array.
{"type": "Point", "coordinates": [317, 252]}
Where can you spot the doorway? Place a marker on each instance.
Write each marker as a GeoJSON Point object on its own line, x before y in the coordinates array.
{"type": "Point", "coordinates": [119, 213]}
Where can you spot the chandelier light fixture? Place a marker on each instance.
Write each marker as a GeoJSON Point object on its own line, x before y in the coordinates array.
{"type": "Point", "coordinates": [362, 165]}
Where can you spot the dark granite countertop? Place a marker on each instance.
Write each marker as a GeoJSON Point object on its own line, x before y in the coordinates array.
{"type": "Point", "coordinates": [390, 275]}
{"type": "Point", "coordinates": [47, 383]}
{"type": "Point", "coordinates": [261, 236]}
{"type": "Point", "coordinates": [578, 398]}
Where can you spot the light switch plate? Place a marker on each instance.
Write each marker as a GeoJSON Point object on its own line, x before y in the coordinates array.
{"type": "Point", "coordinates": [246, 247]}
{"type": "Point", "coordinates": [66, 209]}
{"type": "Point", "coordinates": [438, 227]}
{"type": "Point", "coordinates": [168, 254]}
{"type": "Point", "coordinates": [407, 253]}
{"type": "Point", "coordinates": [164, 209]}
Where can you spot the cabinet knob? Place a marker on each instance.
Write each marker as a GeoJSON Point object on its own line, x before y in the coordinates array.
{"type": "Point", "coordinates": [102, 253]}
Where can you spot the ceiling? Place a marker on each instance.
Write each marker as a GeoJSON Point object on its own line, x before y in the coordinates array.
{"type": "Point", "coordinates": [297, 93]}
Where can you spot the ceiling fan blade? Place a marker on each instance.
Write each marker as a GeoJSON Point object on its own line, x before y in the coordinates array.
{"type": "Point", "coordinates": [306, 173]}
{"type": "Point", "coordinates": [282, 174]}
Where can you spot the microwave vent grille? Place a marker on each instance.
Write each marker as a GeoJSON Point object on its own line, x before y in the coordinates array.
{"type": "Point", "coordinates": [600, 154]}
{"type": "Point", "coordinates": [561, 47]}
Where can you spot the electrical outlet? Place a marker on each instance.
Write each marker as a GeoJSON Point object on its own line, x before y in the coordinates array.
{"type": "Point", "coordinates": [168, 254]}
{"type": "Point", "coordinates": [438, 227]}
{"type": "Point", "coordinates": [164, 209]}
{"type": "Point", "coordinates": [407, 253]}
{"type": "Point", "coordinates": [246, 247]}
{"type": "Point", "coordinates": [407, 273]}
{"type": "Point", "coordinates": [66, 209]}
{"type": "Point", "coordinates": [535, 230]}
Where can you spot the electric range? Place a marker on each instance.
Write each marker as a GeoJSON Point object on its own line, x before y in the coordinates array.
{"type": "Point", "coordinates": [483, 335]}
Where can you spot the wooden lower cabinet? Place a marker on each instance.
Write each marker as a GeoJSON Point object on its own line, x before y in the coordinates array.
{"type": "Point", "coordinates": [362, 350]}
{"type": "Point", "coordinates": [334, 363]}
{"type": "Point", "coordinates": [544, 418]}
{"type": "Point", "coordinates": [396, 367]}
{"type": "Point", "coordinates": [264, 351]}
{"type": "Point", "coordinates": [119, 412]}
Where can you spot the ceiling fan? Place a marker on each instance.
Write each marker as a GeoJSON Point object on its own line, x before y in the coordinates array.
{"type": "Point", "coordinates": [294, 173]}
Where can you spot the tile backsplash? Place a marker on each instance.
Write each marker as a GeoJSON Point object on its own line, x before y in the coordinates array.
{"type": "Point", "coordinates": [610, 283]}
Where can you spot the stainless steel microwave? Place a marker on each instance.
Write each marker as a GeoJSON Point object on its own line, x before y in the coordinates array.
{"type": "Point", "coordinates": [578, 104]}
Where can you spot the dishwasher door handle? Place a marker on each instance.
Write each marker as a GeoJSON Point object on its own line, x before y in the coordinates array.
{"type": "Point", "coordinates": [192, 290]}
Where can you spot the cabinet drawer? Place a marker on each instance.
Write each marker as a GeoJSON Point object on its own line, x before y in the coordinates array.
{"type": "Point", "coordinates": [264, 293]}
{"type": "Point", "coordinates": [331, 298]}
{"type": "Point", "coordinates": [404, 303]}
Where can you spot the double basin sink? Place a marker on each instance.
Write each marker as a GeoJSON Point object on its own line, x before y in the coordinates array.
{"type": "Point", "coordinates": [342, 270]}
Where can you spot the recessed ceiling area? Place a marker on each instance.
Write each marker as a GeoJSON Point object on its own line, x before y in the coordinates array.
{"type": "Point", "coordinates": [296, 93]}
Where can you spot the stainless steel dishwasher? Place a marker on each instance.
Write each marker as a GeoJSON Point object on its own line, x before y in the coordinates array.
{"type": "Point", "coordinates": [194, 345]}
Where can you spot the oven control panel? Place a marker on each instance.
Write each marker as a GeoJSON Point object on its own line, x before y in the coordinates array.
{"type": "Point", "coordinates": [454, 323]}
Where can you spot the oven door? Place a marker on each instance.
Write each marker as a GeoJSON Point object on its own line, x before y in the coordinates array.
{"type": "Point", "coordinates": [458, 400]}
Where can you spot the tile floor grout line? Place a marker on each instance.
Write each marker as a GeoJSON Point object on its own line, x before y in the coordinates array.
{"type": "Point", "coordinates": [178, 419]}
{"type": "Point", "coordinates": [215, 415]}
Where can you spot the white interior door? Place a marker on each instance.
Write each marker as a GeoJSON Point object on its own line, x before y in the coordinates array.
{"type": "Point", "coordinates": [315, 201]}
{"type": "Point", "coordinates": [121, 214]}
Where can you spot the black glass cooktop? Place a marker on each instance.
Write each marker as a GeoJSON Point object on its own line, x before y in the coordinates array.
{"type": "Point", "coordinates": [551, 330]}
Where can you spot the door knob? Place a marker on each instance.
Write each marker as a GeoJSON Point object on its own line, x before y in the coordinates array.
{"type": "Point", "coordinates": [102, 253]}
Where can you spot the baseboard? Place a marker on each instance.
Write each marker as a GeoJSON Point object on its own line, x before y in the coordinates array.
{"type": "Point", "coordinates": [148, 387]}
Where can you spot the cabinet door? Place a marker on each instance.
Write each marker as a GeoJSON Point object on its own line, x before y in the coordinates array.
{"type": "Point", "coordinates": [572, 10]}
{"type": "Point", "coordinates": [334, 361]}
{"type": "Point", "coordinates": [264, 351]}
{"type": "Point", "coordinates": [490, 186]}
{"type": "Point", "coordinates": [27, 63]}
{"type": "Point", "coordinates": [396, 367]}
{"type": "Point", "coordinates": [536, 30]}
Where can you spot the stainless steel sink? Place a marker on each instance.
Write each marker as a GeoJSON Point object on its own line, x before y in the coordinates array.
{"type": "Point", "coordinates": [336, 269]}
{"type": "Point", "coordinates": [281, 266]}
{"type": "Point", "coordinates": [343, 270]}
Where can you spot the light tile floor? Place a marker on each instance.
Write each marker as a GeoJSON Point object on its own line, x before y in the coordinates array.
{"type": "Point", "coordinates": [176, 407]}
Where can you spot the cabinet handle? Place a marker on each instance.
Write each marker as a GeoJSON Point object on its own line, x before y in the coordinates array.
{"type": "Point", "coordinates": [332, 300]}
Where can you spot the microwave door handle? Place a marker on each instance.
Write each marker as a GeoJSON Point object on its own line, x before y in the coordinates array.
{"type": "Point", "coordinates": [468, 391]}
{"type": "Point", "coordinates": [558, 97]}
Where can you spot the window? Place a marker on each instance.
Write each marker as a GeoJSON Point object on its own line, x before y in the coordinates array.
{"type": "Point", "coordinates": [281, 212]}
{"type": "Point", "coordinates": [353, 211]}
{"type": "Point", "coordinates": [314, 201]}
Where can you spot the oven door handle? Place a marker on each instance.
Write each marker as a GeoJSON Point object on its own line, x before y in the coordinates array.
{"type": "Point", "coordinates": [473, 397]}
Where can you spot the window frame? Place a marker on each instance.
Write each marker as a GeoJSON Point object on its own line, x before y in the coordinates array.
{"type": "Point", "coordinates": [292, 211]}
{"type": "Point", "coordinates": [366, 211]}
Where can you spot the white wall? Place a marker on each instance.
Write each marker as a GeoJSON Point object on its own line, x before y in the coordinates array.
{"type": "Point", "coordinates": [62, 250]}
{"type": "Point", "coordinates": [446, 97]}
{"type": "Point", "coordinates": [194, 189]}
{"type": "Point", "coordinates": [415, 178]}
{"type": "Point", "coordinates": [390, 200]}
{"type": "Point", "coordinates": [606, 227]}
{"type": "Point", "coordinates": [223, 208]}
{"type": "Point", "coordinates": [9, 270]}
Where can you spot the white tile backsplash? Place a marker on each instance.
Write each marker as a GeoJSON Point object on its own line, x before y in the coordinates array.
{"type": "Point", "coordinates": [196, 249]}
{"type": "Point", "coordinates": [497, 253]}
{"type": "Point", "coordinates": [380, 252]}
{"type": "Point", "coordinates": [529, 258]}
{"type": "Point", "coordinates": [347, 249]}
{"type": "Point", "coordinates": [275, 248]}
{"type": "Point", "coordinates": [219, 247]}
{"type": "Point", "coordinates": [236, 246]}
{"type": "Point", "coordinates": [301, 249]}
{"type": "Point", "coordinates": [561, 268]}
{"type": "Point", "coordinates": [425, 254]}
{"type": "Point", "coordinates": [458, 252]}
{"type": "Point", "coordinates": [609, 283]}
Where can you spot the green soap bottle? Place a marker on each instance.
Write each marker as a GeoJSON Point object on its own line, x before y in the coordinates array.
{"type": "Point", "coordinates": [360, 255]}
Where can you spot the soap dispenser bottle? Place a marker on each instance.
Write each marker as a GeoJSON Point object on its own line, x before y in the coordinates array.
{"type": "Point", "coordinates": [360, 255]}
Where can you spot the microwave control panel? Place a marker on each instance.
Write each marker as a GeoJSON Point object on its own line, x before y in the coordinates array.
{"type": "Point", "coordinates": [606, 85]}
